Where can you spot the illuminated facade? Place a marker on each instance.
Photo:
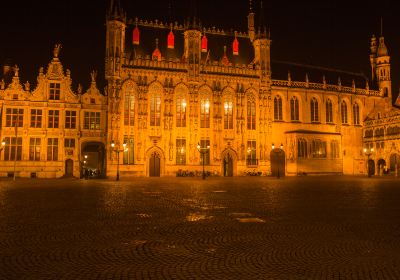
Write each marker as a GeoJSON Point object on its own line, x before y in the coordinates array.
{"type": "Point", "coordinates": [172, 89]}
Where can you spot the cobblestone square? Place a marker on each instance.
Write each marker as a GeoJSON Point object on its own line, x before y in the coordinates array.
{"type": "Point", "coordinates": [186, 228]}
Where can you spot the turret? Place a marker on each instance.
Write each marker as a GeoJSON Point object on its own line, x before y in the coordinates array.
{"type": "Point", "coordinates": [372, 56]}
{"type": "Point", "coordinates": [250, 23]}
{"type": "Point", "coordinates": [383, 69]}
{"type": "Point", "coordinates": [115, 40]}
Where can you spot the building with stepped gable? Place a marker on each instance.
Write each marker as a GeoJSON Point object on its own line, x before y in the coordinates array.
{"type": "Point", "coordinates": [183, 97]}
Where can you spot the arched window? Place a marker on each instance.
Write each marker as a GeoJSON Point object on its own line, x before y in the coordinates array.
{"type": "Point", "coordinates": [385, 92]}
{"type": "Point", "coordinates": [343, 110]}
{"type": "Point", "coordinates": [294, 109]}
{"type": "Point", "coordinates": [251, 114]}
{"type": "Point", "coordinates": [334, 149]}
{"type": "Point", "coordinates": [155, 110]}
{"type": "Point", "coordinates": [356, 114]}
{"type": "Point", "coordinates": [228, 114]}
{"type": "Point", "coordinates": [129, 107]}
{"type": "Point", "coordinates": [204, 113]}
{"type": "Point", "coordinates": [301, 148]}
{"type": "Point", "coordinates": [314, 110]}
{"type": "Point", "coordinates": [278, 108]}
{"type": "Point", "coordinates": [329, 111]}
{"type": "Point", "coordinates": [180, 112]}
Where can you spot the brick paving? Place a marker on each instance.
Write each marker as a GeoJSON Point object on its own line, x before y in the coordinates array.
{"type": "Point", "coordinates": [186, 228]}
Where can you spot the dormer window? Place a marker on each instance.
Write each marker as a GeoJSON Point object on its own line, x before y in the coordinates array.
{"type": "Point", "coordinates": [54, 92]}
{"type": "Point", "coordinates": [15, 96]}
{"type": "Point", "coordinates": [92, 101]}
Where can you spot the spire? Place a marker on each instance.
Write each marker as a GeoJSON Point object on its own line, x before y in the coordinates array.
{"type": "Point", "coordinates": [382, 49]}
{"type": "Point", "coordinates": [204, 42]}
{"type": "Point", "coordinates": [235, 45]}
{"type": "Point", "coordinates": [156, 53]}
{"type": "Point", "coordinates": [250, 22]}
{"type": "Point", "coordinates": [193, 21]}
{"type": "Point", "coordinates": [171, 39]}
{"type": "Point", "coordinates": [225, 60]}
{"type": "Point", "coordinates": [115, 11]}
{"type": "Point", "coordinates": [136, 34]}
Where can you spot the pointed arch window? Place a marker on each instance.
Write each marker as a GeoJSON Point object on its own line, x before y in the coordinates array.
{"type": "Point", "coordinates": [155, 110]}
{"type": "Point", "coordinates": [301, 148]}
{"type": "Point", "coordinates": [228, 114]}
{"type": "Point", "coordinates": [129, 107]}
{"type": "Point", "coordinates": [343, 109]}
{"type": "Point", "coordinates": [314, 110]}
{"type": "Point", "coordinates": [329, 111]}
{"type": "Point", "coordinates": [294, 109]}
{"type": "Point", "coordinates": [278, 108]}
{"type": "Point", "coordinates": [356, 114]}
{"type": "Point", "coordinates": [204, 113]}
{"type": "Point", "coordinates": [251, 114]}
{"type": "Point", "coordinates": [180, 112]}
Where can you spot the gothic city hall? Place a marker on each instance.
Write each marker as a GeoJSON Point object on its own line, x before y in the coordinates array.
{"type": "Point", "coordinates": [184, 98]}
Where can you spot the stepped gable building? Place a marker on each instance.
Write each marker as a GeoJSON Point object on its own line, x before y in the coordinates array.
{"type": "Point", "coordinates": [46, 130]}
{"type": "Point", "coordinates": [183, 97]}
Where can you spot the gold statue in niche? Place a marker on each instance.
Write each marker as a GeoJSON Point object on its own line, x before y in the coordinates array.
{"type": "Point", "coordinates": [56, 51]}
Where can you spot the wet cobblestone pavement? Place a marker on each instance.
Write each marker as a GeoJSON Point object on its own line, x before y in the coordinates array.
{"type": "Point", "coordinates": [186, 228]}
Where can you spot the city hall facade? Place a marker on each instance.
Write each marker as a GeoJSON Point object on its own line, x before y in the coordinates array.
{"type": "Point", "coordinates": [183, 97]}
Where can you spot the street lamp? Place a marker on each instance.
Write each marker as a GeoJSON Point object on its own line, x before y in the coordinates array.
{"type": "Point", "coordinates": [203, 151]}
{"type": "Point", "coordinates": [368, 153]}
{"type": "Point", "coordinates": [85, 171]}
{"type": "Point", "coordinates": [118, 151]}
{"type": "Point", "coordinates": [281, 149]}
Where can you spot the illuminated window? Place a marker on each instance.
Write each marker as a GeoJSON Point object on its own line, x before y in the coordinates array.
{"type": "Point", "coordinates": [334, 149]}
{"type": "Point", "coordinates": [301, 148]}
{"type": "Point", "coordinates": [180, 151]}
{"type": "Point", "coordinates": [343, 110]}
{"type": "Point", "coordinates": [34, 149]}
{"type": "Point", "coordinates": [69, 143]}
{"type": "Point", "coordinates": [70, 119]}
{"type": "Point", "coordinates": [278, 108]}
{"type": "Point", "coordinates": [54, 117]}
{"type": "Point", "coordinates": [129, 154]}
{"type": "Point", "coordinates": [52, 149]}
{"type": "Point", "coordinates": [318, 149]}
{"type": "Point", "coordinates": [205, 113]}
{"type": "Point", "coordinates": [36, 118]}
{"type": "Point", "coordinates": [14, 117]}
{"type": "Point", "coordinates": [180, 112]}
{"type": "Point", "coordinates": [228, 114]}
{"type": "Point", "coordinates": [54, 92]}
{"type": "Point", "coordinates": [314, 110]}
{"type": "Point", "coordinates": [294, 109]}
{"type": "Point", "coordinates": [129, 107]}
{"type": "Point", "coordinates": [92, 120]}
{"type": "Point", "coordinates": [13, 148]}
{"type": "Point", "coordinates": [251, 115]}
{"type": "Point", "coordinates": [251, 153]}
{"type": "Point", "coordinates": [329, 111]}
{"type": "Point", "coordinates": [204, 143]}
{"type": "Point", "coordinates": [155, 110]}
{"type": "Point", "coordinates": [356, 114]}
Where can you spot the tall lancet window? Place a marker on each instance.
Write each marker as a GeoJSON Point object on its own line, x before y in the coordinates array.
{"type": "Point", "coordinates": [329, 111]}
{"type": "Point", "coordinates": [251, 114]}
{"type": "Point", "coordinates": [228, 113]}
{"type": "Point", "coordinates": [129, 106]}
{"type": "Point", "coordinates": [314, 110]}
{"type": "Point", "coordinates": [180, 112]}
{"type": "Point", "coordinates": [294, 109]}
{"type": "Point", "coordinates": [204, 113]}
{"type": "Point", "coordinates": [155, 110]}
{"type": "Point", "coordinates": [343, 110]}
{"type": "Point", "coordinates": [278, 108]}
{"type": "Point", "coordinates": [356, 114]}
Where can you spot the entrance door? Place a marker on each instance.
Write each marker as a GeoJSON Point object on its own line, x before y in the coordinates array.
{"type": "Point", "coordinates": [154, 165]}
{"type": "Point", "coordinates": [371, 167]}
{"type": "Point", "coordinates": [277, 162]}
{"type": "Point", "coordinates": [228, 166]}
{"type": "Point", "coordinates": [69, 168]}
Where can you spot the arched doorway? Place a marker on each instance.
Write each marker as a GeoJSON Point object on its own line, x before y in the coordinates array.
{"type": "Point", "coordinates": [69, 168]}
{"type": "Point", "coordinates": [278, 168]}
{"type": "Point", "coordinates": [381, 166]}
{"type": "Point", "coordinates": [394, 162]}
{"type": "Point", "coordinates": [155, 165]}
{"type": "Point", "coordinates": [93, 159]}
{"type": "Point", "coordinates": [371, 167]}
{"type": "Point", "coordinates": [228, 165]}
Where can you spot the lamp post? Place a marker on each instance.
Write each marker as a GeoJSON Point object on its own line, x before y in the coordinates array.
{"type": "Point", "coordinates": [203, 151]}
{"type": "Point", "coordinates": [281, 148]}
{"type": "Point", "coordinates": [85, 172]}
{"type": "Point", "coordinates": [368, 153]}
{"type": "Point", "coordinates": [118, 151]}
{"type": "Point", "coordinates": [3, 144]}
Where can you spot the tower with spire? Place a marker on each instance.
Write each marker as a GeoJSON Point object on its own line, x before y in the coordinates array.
{"type": "Point", "coordinates": [380, 65]}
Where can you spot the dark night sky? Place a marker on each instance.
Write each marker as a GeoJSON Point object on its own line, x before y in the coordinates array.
{"type": "Point", "coordinates": [330, 33]}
